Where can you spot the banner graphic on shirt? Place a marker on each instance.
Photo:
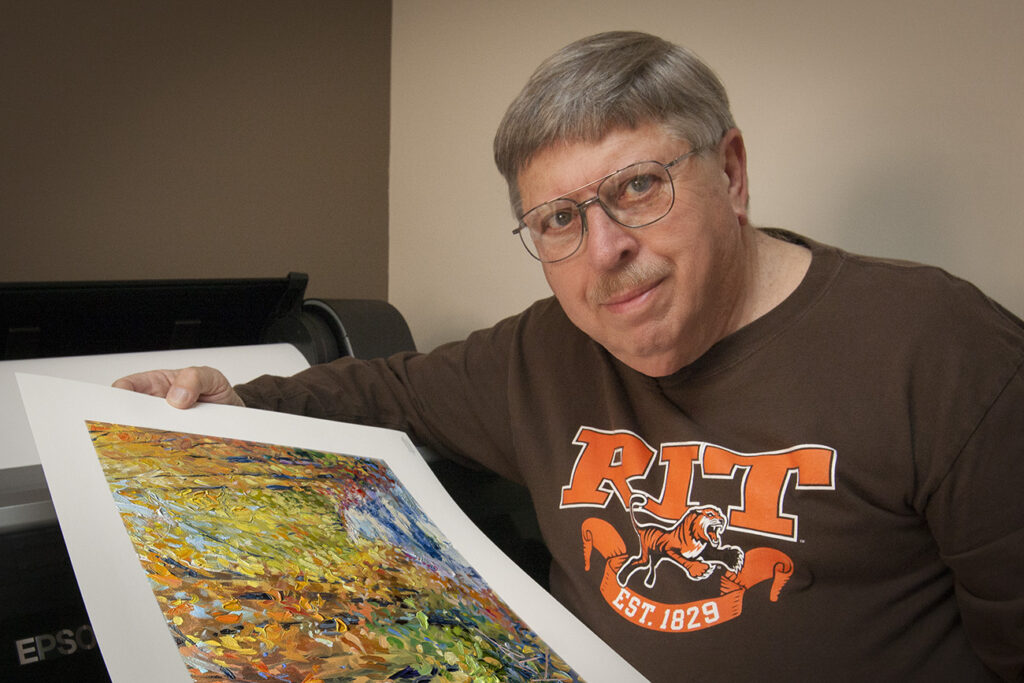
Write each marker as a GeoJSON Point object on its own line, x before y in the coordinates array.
{"type": "Point", "coordinates": [759, 564]}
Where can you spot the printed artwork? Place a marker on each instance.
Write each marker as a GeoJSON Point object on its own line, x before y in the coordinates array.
{"type": "Point", "coordinates": [273, 563]}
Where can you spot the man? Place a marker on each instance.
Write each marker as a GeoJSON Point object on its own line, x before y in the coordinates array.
{"type": "Point", "coordinates": [752, 456]}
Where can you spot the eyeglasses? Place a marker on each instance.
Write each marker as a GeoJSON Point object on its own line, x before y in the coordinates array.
{"type": "Point", "coordinates": [634, 197]}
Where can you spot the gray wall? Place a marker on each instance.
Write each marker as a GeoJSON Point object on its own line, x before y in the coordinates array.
{"type": "Point", "coordinates": [195, 139]}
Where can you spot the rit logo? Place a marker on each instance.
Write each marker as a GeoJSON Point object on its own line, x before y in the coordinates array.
{"type": "Point", "coordinates": [609, 463]}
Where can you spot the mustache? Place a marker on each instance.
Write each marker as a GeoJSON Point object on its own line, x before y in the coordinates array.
{"type": "Point", "coordinates": [633, 275]}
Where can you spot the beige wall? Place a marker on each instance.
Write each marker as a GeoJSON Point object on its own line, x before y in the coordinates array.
{"type": "Point", "coordinates": [888, 127]}
{"type": "Point", "coordinates": [195, 139]}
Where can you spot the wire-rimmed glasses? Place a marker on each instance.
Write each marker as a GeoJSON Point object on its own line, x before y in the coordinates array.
{"type": "Point", "coordinates": [634, 197]}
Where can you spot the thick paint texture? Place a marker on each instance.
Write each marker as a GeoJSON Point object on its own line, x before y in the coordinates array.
{"type": "Point", "coordinates": [273, 563]}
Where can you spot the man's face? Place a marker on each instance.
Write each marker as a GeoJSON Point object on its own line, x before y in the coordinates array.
{"type": "Point", "coordinates": [655, 297]}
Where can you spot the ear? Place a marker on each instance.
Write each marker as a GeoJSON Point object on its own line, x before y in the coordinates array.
{"type": "Point", "coordinates": [733, 155]}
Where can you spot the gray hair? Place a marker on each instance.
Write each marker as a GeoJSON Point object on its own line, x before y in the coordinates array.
{"type": "Point", "coordinates": [619, 79]}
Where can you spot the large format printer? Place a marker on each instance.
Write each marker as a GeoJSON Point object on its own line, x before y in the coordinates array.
{"type": "Point", "coordinates": [63, 328]}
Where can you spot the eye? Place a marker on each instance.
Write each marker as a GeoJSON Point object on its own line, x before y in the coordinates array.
{"type": "Point", "coordinates": [640, 184]}
{"type": "Point", "coordinates": [556, 220]}
{"type": "Point", "coordinates": [561, 218]}
{"type": "Point", "coordinates": [634, 187]}
{"type": "Point", "coordinates": [637, 187]}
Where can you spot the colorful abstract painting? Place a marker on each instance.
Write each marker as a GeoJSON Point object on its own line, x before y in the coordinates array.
{"type": "Point", "coordinates": [273, 563]}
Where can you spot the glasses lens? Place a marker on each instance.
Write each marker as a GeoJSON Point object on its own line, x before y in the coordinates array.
{"type": "Point", "coordinates": [638, 195]}
{"type": "Point", "coordinates": [555, 228]}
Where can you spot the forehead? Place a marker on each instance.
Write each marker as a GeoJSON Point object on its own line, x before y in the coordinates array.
{"type": "Point", "coordinates": [560, 169]}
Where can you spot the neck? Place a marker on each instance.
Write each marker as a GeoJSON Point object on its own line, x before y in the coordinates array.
{"type": "Point", "coordinates": [775, 269]}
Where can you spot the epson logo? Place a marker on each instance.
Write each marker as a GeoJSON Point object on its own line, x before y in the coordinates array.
{"type": "Point", "coordinates": [49, 645]}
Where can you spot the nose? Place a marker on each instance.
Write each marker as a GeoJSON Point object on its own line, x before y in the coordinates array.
{"type": "Point", "coordinates": [607, 244]}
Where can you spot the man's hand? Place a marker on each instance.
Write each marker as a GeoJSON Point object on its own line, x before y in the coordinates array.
{"type": "Point", "coordinates": [183, 388]}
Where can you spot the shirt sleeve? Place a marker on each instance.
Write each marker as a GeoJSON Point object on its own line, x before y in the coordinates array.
{"type": "Point", "coordinates": [453, 400]}
{"type": "Point", "coordinates": [977, 517]}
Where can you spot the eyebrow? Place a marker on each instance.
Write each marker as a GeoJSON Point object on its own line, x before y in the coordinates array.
{"type": "Point", "coordinates": [565, 195]}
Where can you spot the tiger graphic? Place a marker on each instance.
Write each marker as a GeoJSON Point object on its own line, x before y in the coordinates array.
{"type": "Point", "coordinates": [693, 543]}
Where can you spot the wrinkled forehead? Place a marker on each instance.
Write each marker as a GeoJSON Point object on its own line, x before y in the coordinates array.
{"type": "Point", "coordinates": [567, 168]}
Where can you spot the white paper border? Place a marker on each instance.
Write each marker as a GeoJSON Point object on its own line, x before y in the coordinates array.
{"type": "Point", "coordinates": [238, 363]}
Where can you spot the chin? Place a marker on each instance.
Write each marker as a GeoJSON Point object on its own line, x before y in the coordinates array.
{"type": "Point", "coordinates": [654, 350]}
{"type": "Point", "coordinates": [641, 357]}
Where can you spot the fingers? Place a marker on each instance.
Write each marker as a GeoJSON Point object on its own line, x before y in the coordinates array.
{"type": "Point", "coordinates": [195, 384]}
{"type": "Point", "coordinates": [154, 382]}
{"type": "Point", "coordinates": [183, 388]}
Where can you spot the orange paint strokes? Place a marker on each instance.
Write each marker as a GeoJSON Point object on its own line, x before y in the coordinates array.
{"type": "Point", "coordinates": [277, 563]}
